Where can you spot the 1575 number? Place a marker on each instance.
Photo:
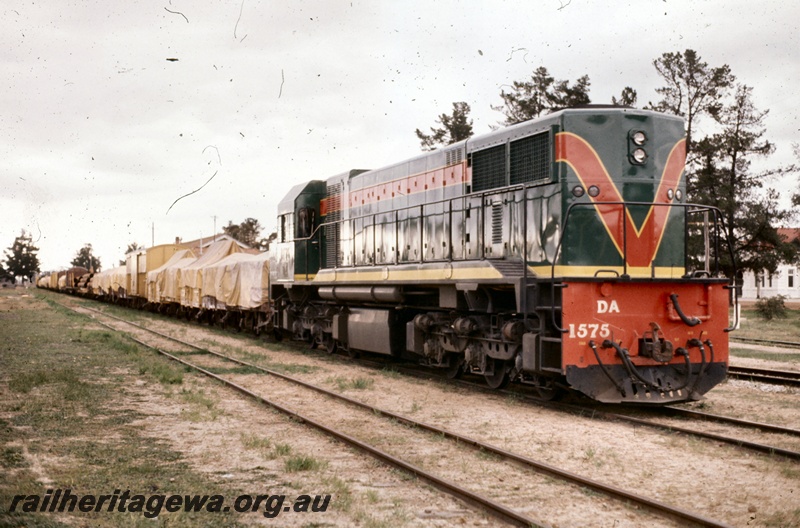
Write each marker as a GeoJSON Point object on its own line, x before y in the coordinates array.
{"type": "Point", "coordinates": [589, 330]}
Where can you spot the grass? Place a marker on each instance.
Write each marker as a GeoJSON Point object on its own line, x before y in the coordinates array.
{"type": "Point", "coordinates": [360, 383]}
{"type": "Point", "coordinates": [282, 449]}
{"type": "Point", "coordinates": [754, 327]}
{"type": "Point", "coordinates": [202, 408]}
{"type": "Point", "coordinates": [255, 442]}
{"type": "Point", "coordinates": [68, 423]}
{"type": "Point", "coordinates": [303, 463]}
{"type": "Point", "coordinates": [791, 357]}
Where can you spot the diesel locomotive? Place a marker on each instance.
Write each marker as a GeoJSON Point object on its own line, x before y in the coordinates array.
{"type": "Point", "coordinates": [559, 252]}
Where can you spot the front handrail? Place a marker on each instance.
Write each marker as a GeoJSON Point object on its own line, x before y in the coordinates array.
{"type": "Point", "coordinates": [689, 208]}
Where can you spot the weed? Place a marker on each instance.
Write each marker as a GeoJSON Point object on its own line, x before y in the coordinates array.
{"type": "Point", "coordinates": [390, 372]}
{"type": "Point", "coordinates": [372, 496]}
{"type": "Point", "coordinates": [303, 463]}
{"type": "Point", "coordinates": [342, 494]}
{"type": "Point", "coordinates": [251, 441]}
{"type": "Point", "coordinates": [356, 383]}
{"type": "Point", "coordinates": [282, 449]}
{"type": "Point", "coordinates": [197, 398]}
{"type": "Point", "coordinates": [12, 457]}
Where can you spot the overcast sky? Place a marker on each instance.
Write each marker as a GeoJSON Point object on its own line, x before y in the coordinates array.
{"type": "Point", "coordinates": [100, 132]}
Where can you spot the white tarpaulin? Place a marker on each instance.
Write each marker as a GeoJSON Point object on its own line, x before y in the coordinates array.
{"type": "Point", "coordinates": [239, 280]}
{"type": "Point", "coordinates": [191, 277]}
{"type": "Point", "coordinates": [162, 282]}
{"type": "Point", "coordinates": [109, 281]}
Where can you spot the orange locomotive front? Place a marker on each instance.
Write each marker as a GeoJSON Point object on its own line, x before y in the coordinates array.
{"type": "Point", "coordinates": [644, 341]}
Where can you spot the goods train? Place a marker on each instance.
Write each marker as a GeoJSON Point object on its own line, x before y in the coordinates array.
{"type": "Point", "coordinates": [559, 253]}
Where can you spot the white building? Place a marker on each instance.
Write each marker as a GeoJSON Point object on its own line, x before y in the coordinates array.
{"type": "Point", "coordinates": [785, 281]}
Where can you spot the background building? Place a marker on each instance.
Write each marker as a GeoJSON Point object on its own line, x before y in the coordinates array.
{"type": "Point", "coordinates": [785, 281]}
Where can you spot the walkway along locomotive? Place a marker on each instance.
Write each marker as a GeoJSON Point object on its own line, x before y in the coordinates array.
{"type": "Point", "coordinates": [554, 252]}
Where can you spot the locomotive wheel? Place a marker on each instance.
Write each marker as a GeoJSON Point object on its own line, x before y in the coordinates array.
{"type": "Point", "coordinates": [546, 393]}
{"type": "Point", "coordinates": [499, 377]}
{"type": "Point", "coordinates": [329, 343]}
{"type": "Point", "coordinates": [455, 369]}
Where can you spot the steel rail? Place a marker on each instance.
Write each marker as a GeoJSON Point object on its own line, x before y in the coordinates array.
{"type": "Point", "coordinates": [790, 344]}
{"type": "Point", "coordinates": [481, 502]}
{"type": "Point", "coordinates": [779, 377]}
{"type": "Point", "coordinates": [689, 413]}
{"type": "Point", "coordinates": [608, 415]}
{"type": "Point", "coordinates": [609, 490]}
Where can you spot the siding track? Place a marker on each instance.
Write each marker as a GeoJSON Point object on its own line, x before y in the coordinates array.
{"type": "Point", "coordinates": [491, 506]}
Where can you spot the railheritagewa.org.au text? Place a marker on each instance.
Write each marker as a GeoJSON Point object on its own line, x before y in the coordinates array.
{"type": "Point", "coordinates": [151, 506]}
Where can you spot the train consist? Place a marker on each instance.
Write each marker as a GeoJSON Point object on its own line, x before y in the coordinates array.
{"type": "Point", "coordinates": [559, 253]}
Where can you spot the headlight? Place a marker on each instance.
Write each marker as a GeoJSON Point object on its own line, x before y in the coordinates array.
{"type": "Point", "coordinates": [594, 190]}
{"type": "Point", "coordinates": [639, 156]}
{"type": "Point", "coordinates": [577, 191]}
{"type": "Point", "coordinates": [679, 195]}
{"type": "Point", "coordinates": [670, 194]}
{"type": "Point", "coordinates": [639, 138]}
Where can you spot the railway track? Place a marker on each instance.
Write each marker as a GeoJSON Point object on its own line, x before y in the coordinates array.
{"type": "Point", "coordinates": [634, 417]}
{"type": "Point", "coordinates": [778, 377]}
{"type": "Point", "coordinates": [766, 342]}
{"type": "Point", "coordinates": [491, 506]}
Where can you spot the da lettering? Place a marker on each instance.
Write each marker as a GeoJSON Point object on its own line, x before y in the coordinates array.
{"type": "Point", "coordinates": [607, 307]}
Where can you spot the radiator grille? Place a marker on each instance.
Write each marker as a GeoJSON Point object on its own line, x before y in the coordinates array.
{"type": "Point", "coordinates": [489, 168]}
{"type": "Point", "coordinates": [530, 159]}
{"type": "Point", "coordinates": [497, 223]}
{"type": "Point", "coordinates": [454, 156]}
{"type": "Point", "coordinates": [333, 232]}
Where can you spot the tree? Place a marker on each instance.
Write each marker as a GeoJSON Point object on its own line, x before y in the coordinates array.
{"type": "Point", "coordinates": [133, 246]}
{"type": "Point", "coordinates": [247, 232]}
{"type": "Point", "coordinates": [725, 180]}
{"type": "Point", "coordinates": [455, 127]}
{"type": "Point", "coordinates": [542, 94]}
{"type": "Point", "coordinates": [21, 258]}
{"type": "Point", "coordinates": [627, 97]}
{"type": "Point", "coordinates": [86, 259]}
{"type": "Point", "coordinates": [692, 90]}
{"type": "Point", "coordinates": [796, 196]}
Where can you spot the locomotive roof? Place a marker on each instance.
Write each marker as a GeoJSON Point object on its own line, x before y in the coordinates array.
{"type": "Point", "coordinates": [457, 151]}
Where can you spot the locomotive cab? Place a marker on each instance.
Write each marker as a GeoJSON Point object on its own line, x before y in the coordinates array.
{"type": "Point", "coordinates": [296, 252]}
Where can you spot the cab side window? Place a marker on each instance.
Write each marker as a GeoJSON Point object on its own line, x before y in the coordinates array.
{"type": "Point", "coordinates": [305, 222]}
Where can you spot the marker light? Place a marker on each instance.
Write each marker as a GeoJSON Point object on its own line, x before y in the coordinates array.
{"type": "Point", "coordinates": [639, 138]}
{"type": "Point", "coordinates": [594, 190]}
{"type": "Point", "coordinates": [639, 156]}
{"type": "Point", "coordinates": [577, 191]}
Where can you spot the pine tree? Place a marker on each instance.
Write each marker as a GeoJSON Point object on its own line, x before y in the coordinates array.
{"type": "Point", "coordinates": [455, 127]}
{"type": "Point", "coordinates": [86, 259]}
{"type": "Point", "coordinates": [726, 181]}
{"type": "Point", "coordinates": [693, 89]}
{"type": "Point", "coordinates": [541, 94]}
{"type": "Point", "coordinates": [21, 258]}
{"type": "Point", "coordinates": [247, 232]}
